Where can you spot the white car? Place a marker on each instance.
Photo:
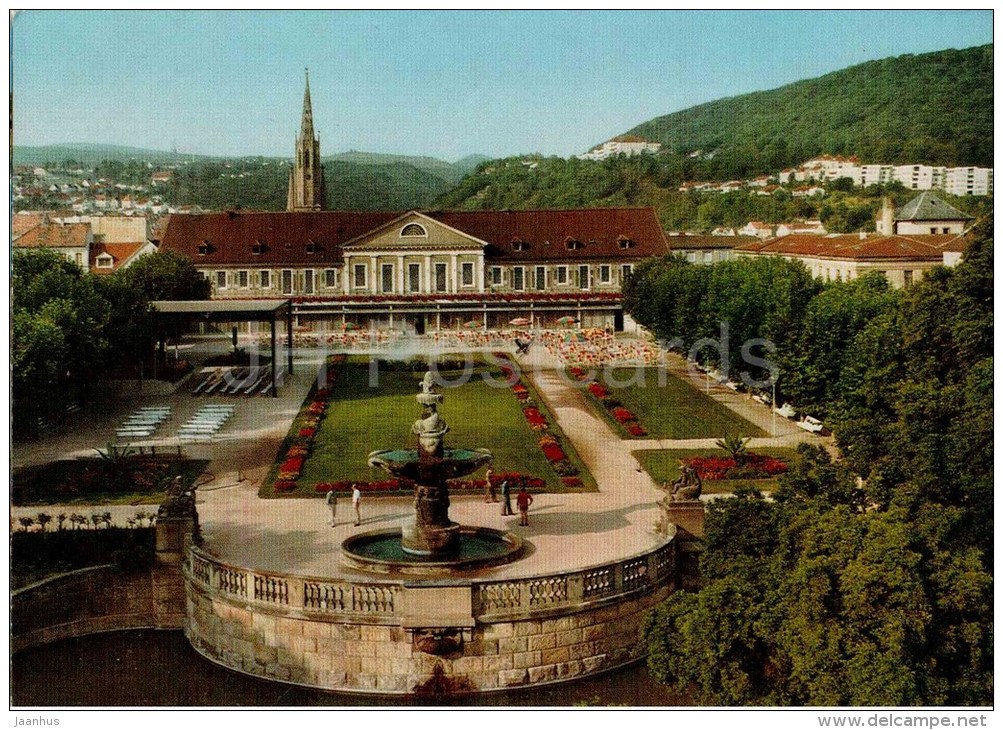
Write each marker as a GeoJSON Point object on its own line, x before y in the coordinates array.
{"type": "Point", "coordinates": [786, 410]}
{"type": "Point", "coordinates": [808, 423]}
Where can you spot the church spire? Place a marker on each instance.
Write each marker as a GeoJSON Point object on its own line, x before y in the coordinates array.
{"type": "Point", "coordinates": [306, 176]}
{"type": "Point", "coordinates": [306, 130]}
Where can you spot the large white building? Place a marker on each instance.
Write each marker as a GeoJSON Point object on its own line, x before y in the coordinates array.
{"type": "Point", "coordinates": [954, 180]}
{"type": "Point", "coordinates": [626, 145]}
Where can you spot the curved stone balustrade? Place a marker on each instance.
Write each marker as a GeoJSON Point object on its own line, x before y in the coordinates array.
{"type": "Point", "coordinates": [394, 635]}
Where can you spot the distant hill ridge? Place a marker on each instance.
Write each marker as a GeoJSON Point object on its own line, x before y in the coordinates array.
{"type": "Point", "coordinates": [934, 108]}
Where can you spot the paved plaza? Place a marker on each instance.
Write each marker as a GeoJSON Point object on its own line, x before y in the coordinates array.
{"type": "Point", "coordinates": [566, 531]}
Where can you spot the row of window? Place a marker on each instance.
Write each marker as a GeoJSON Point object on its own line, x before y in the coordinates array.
{"type": "Point", "coordinates": [520, 278]}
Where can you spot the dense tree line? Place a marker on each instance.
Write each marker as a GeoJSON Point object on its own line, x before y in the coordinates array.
{"type": "Point", "coordinates": [69, 328]}
{"type": "Point", "coordinates": [868, 579]}
{"type": "Point", "coordinates": [934, 108]}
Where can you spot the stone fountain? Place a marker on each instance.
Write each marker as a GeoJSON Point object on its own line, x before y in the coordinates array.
{"type": "Point", "coordinates": [430, 542]}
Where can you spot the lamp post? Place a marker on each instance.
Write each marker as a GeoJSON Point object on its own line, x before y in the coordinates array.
{"type": "Point", "coordinates": [773, 405]}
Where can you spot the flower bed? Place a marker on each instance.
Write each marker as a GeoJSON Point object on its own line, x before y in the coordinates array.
{"type": "Point", "coordinates": [621, 415]}
{"type": "Point", "coordinates": [751, 466]}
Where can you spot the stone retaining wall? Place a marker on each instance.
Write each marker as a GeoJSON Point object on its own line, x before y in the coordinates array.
{"type": "Point", "coordinates": [93, 600]}
{"type": "Point", "coordinates": [394, 637]}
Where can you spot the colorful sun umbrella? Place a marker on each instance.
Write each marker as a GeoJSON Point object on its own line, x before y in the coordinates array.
{"type": "Point", "coordinates": [520, 322]}
{"type": "Point", "coordinates": [566, 320]}
{"type": "Point", "coordinates": [473, 324]}
{"type": "Point", "coordinates": [348, 326]}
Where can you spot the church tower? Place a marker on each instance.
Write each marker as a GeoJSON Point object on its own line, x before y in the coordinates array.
{"type": "Point", "coordinates": [306, 178]}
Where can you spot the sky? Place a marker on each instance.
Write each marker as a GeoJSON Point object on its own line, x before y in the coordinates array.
{"type": "Point", "coordinates": [439, 83]}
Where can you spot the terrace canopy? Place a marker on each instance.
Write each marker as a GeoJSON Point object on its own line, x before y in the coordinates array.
{"type": "Point", "coordinates": [239, 310]}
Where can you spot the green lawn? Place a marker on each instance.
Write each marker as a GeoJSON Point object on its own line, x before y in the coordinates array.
{"type": "Point", "coordinates": [361, 419]}
{"type": "Point", "coordinates": [670, 408]}
{"type": "Point", "coordinates": [663, 466]}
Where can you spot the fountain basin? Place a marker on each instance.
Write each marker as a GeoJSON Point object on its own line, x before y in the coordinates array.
{"type": "Point", "coordinates": [381, 551]}
{"type": "Point", "coordinates": [408, 463]}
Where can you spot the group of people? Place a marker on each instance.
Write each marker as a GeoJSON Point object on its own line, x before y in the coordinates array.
{"type": "Point", "coordinates": [332, 504]}
{"type": "Point", "coordinates": [596, 348]}
{"type": "Point", "coordinates": [522, 500]}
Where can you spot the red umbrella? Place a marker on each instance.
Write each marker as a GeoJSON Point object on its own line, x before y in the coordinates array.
{"type": "Point", "coordinates": [520, 322]}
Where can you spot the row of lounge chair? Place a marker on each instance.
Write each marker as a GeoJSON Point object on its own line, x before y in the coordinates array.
{"type": "Point", "coordinates": [234, 381]}
{"type": "Point", "coordinates": [205, 423]}
{"type": "Point", "coordinates": [142, 422]}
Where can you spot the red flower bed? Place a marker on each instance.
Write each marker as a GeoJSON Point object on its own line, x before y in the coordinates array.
{"type": "Point", "coordinates": [622, 415]}
{"type": "Point", "coordinates": [519, 388]}
{"type": "Point", "coordinates": [323, 393]}
{"type": "Point", "coordinates": [317, 408]}
{"type": "Point", "coordinates": [753, 466]}
{"type": "Point", "coordinates": [293, 463]}
{"type": "Point", "coordinates": [308, 433]}
{"type": "Point", "coordinates": [577, 373]}
{"type": "Point", "coordinates": [284, 486]}
{"type": "Point", "coordinates": [635, 429]}
{"type": "Point", "coordinates": [534, 417]}
{"type": "Point", "coordinates": [597, 390]}
{"type": "Point", "coordinates": [553, 452]}
{"type": "Point", "coordinates": [574, 482]}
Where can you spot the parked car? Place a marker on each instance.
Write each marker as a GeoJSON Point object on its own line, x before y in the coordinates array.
{"type": "Point", "coordinates": [809, 423]}
{"type": "Point", "coordinates": [786, 410]}
{"type": "Point", "coordinates": [760, 398]}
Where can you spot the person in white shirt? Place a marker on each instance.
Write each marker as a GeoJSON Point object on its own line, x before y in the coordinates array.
{"type": "Point", "coordinates": [356, 501]}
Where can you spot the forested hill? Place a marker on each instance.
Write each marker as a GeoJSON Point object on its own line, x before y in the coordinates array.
{"type": "Point", "coordinates": [934, 108]}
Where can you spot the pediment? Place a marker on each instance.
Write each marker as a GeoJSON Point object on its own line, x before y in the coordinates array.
{"type": "Point", "coordinates": [414, 231]}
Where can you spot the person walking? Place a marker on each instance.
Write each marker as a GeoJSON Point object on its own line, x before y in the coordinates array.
{"type": "Point", "coordinates": [356, 501]}
{"type": "Point", "coordinates": [332, 504]}
{"type": "Point", "coordinates": [523, 500]}
{"type": "Point", "coordinates": [489, 488]}
{"type": "Point", "coordinates": [506, 498]}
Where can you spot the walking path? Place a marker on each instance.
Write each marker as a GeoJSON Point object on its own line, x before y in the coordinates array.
{"type": "Point", "coordinates": [566, 531]}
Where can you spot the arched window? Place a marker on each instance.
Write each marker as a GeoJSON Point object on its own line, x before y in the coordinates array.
{"type": "Point", "coordinates": [413, 229]}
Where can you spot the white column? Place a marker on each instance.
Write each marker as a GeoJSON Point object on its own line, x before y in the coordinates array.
{"type": "Point", "coordinates": [373, 280]}
{"type": "Point", "coordinates": [346, 276]}
{"type": "Point", "coordinates": [453, 263]}
{"type": "Point", "coordinates": [428, 274]}
{"type": "Point", "coordinates": [479, 273]}
{"type": "Point", "coordinates": [401, 288]}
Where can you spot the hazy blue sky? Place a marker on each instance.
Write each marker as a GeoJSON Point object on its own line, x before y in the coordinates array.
{"type": "Point", "coordinates": [444, 84]}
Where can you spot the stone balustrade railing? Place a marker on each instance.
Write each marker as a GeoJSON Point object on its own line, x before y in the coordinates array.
{"type": "Point", "coordinates": [381, 602]}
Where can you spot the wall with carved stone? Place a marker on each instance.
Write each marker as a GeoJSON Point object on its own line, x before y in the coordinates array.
{"type": "Point", "coordinates": [387, 637]}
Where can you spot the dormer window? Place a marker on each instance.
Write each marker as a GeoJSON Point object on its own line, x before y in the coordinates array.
{"type": "Point", "coordinates": [204, 248]}
{"type": "Point", "coordinates": [311, 248]}
{"type": "Point", "coordinates": [413, 230]}
{"type": "Point", "coordinates": [573, 244]}
{"type": "Point", "coordinates": [257, 248]}
{"type": "Point", "coordinates": [625, 242]}
{"type": "Point", "coordinates": [105, 261]}
{"type": "Point", "coordinates": [519, 245]}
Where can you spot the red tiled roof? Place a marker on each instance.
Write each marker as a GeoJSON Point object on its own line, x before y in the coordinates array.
{"type": "Point", "coordinates": [683, 243]}
{"type": "Point", "coordinates": [230, 236]}
{"type": "Point", "coordinates": [119, 252]}
{"type": "Point", "coordinates": [852, 246]}
{"type": "Point", "coordinates": [21, 223]}
{"type": "Point", "coordinates": [54, 235]}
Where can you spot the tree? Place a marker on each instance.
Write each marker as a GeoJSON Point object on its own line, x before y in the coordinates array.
{"type": "Point", "coordinates": [166, 275]}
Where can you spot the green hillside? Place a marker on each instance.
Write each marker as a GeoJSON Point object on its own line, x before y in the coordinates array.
{"type": "Point", "coordinates": [89, 154]}
{"type": "Point", "coordinates": [934, 108]}
{"type": "Point", "coordinates": [451, 171]}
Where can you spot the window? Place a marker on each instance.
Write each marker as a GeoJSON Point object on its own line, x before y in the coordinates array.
{"type": "Point", "coordinates": [562, 275]}
{"type": "Point", "coordinates": [583, 277]}
{"type": "Point", "coordinates": [625, 271]}
{"type": "Point", "coordinates": [518, 274]}
{"type": "Point", "coordinates": [708, 257]}
{"type": "Point", "coordinates": [691, 256]}
{"type": "Point", "coordinates": [519, 245]}
{"type": "Point", "coordinates": [413, 229]}
{"type": "Point", "coordinates": [287, 281]}
{"type": "Point", "coordinates": [934, 230]}
{"type": "Point", "coordinates": [242, 280]}
{"type": "Point", "coordinates": [945, 230]}
{"type": "Point", "coordinates": [257, 248]}
{"type": "Point", "coordinates": [573, 244]}
{"type": "Point", "coordinates": [360, 276]}
{"type": "Point", "coordinates": [203, 248]}
{"type": "Point", "coordinates": [78, 259]}
{"type": "Point", "coordinates": [496, 275]}
{"type": "Point", "coordinates": [104, 261]}
{"type": "Point", "coordinates": [414, 278]}
{"type": "Point", "coordinates": [440, 277]}
{"type": "Point", "coordinates": [625, 242]}
{"type": "Point", "coordinates": [467, 273]}
{"type": "Point", "coordinates": [311, 248]}
{"type": "Point", "coordinates": [387, 278]}
{"type": "Point", "coordinates": [604, 274]}
{"type": "Point", "coordinates": [907, 277]}
{"type": "Point", "coordinates": [308, 281]}
{"type": "Point", "coordinates": [266, 279]}
{"type": "Point", "coordinates": [541, 278]}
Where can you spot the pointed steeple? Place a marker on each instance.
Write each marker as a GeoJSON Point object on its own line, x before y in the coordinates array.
{"type": "Point", "coordinates": [306, 129]}
{"type": "Point", "coordinates": [306, 176]}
